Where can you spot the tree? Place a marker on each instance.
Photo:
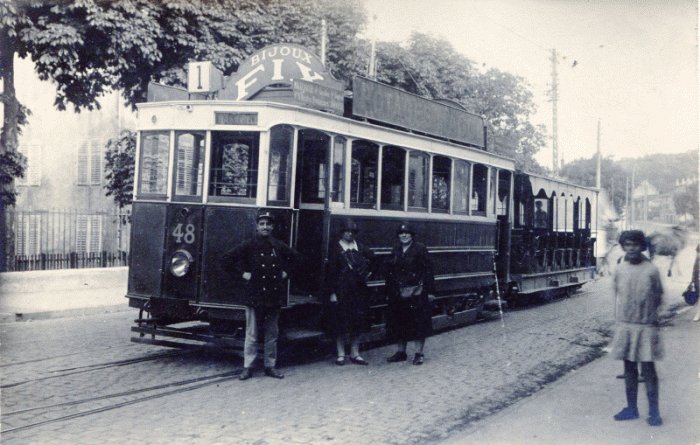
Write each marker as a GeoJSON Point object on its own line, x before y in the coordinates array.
{"type": "Point", "coordinates": [432, 68]}
{"type": "Point", "coordinates": [613, 177]}
{"type": "Point", "coordinates": [119, 168]}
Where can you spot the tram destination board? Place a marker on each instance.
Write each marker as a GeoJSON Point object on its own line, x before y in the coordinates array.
{"type": "Point", "coordinates": [318, 96]}
{"type": "Point", "coordinates": [382, 103]}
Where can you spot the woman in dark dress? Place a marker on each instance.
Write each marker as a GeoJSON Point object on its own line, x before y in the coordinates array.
{"type": "Point", "coordinates": [349, 266]}
{"type": "Point", "coordinates": [410, 288]}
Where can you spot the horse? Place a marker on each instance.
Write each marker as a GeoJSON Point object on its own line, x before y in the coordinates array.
{"type": "Point", "coordinates": [667, 244]}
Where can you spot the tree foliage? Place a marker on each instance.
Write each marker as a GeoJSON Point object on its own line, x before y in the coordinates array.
{"type": "Point", "coordinates": [89, 47]}
{"type": "Point", "coordinates": [432, 68]}
{"type": "Point", "coordinates": [119, 165]}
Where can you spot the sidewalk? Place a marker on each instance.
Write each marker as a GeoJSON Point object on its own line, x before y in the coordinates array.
{"type": "Point", "coordinates": [579, 408]}
{"type": "Point", "coordinates": [62, 293]}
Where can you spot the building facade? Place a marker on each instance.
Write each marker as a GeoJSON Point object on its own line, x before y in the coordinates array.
{"type": "Point", "coordinates": [62, 217]}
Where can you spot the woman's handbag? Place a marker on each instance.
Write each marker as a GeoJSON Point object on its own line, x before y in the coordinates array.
{"type": "Point", "coordinates": [411, 291]}
{"type": "Point", "coordinates": [691, 294]}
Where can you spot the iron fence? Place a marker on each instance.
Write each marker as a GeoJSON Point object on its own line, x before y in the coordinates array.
{"type": "Point", "coordinates": [48, 240]}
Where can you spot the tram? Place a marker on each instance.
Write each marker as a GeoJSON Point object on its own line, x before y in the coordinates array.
{"type": "Point", "coordinates": [283, 135]}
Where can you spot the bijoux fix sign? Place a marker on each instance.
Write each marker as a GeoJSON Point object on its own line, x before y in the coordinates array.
{"type": "Point", "coordinates": [276, 64]}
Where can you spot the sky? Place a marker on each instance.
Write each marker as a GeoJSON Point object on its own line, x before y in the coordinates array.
{"type": "Point", "coordinates": [630, 65]}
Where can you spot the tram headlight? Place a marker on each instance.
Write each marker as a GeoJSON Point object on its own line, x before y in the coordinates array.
{"type": "Point", "coordinates": [180, 263]}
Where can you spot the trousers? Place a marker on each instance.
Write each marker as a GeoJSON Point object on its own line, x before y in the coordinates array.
{"type": "Point", "coordinates": [268, 320]}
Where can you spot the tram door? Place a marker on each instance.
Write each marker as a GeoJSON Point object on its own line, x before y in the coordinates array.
{"type": "Point", "coordinates": [310, 200]}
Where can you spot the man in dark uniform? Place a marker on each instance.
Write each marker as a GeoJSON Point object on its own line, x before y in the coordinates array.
{"type": "Point", "coordinates": [264, 263]}
{"type": "Point", "coordinates": [540, 216]}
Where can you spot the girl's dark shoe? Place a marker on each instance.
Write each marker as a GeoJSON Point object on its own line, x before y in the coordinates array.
{"type": "Point", "coordinates": [418, 359]}
{"type": "Point", "coordinates": [654, 420]}
{"type": "Point", "coordinates": [398, 357]}
{"type": "Point", "coordinates": [340, 361]}
{"type": "Point", "coordinates": [358, 360]}
{"type": "Point", "coordinates": [627, 414]}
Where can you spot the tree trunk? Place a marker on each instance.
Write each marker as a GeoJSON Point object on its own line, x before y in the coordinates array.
{"type": "Point", "coordinates": [8, 141]}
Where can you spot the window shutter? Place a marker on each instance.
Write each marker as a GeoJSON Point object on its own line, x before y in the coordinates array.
{"type": "Point", "coordinates": [81, 235]}
{"type": "Point", "coordinates": [95, 162]}
{"type": "Point", "coordinates": [34, 165]}
{"type": "Point", "coordinates": [83, 163]}
{"type": "Point", "coordinates": [95, 233]}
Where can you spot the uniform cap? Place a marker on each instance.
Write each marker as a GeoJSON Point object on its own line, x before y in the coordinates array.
{"type": "Point", "coordinates": [405, 228]}
{"type": "Point", "coordinates": [348, 226]}
{"type": "Point", "coordinates": [265, 214]}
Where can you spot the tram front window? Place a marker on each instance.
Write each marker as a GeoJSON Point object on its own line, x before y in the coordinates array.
{"type": "Point", "coordinates": [189, 163]}
{"type": "Point", "coordinates": [234, 165]}
{"type": "Point", "coordinates": [363, 175]}
{"type": "Point", "coordinates": [393, 177]}
{"type": "Point", "coordinates": [155, 152]}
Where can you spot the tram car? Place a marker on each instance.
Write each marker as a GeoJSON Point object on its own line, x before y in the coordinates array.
{"type": "Point", "coordinates": [283, 135]}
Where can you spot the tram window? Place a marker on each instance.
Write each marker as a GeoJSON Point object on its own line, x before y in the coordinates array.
{"type": "Point", "coordinates": [461, 187]}
{"type": "Point", "coordinates": [393, 177]}
{"type": "Point", "coordinates": [280, 170]}
{"type": "Point", "coordinates": [418, 181]}
{"type": "Point", "coordinates": [155, 153]}
{"type": "Point", "coordinates": [442, 167]}
{"type": "Point", "coordinates": [479, 186]}
{"type": "Point", "coordinates": [503, 192]}
{"type": "Point", "coordinates": [363, 175]}
{"type": "Point", "coordinates": [189, 163]}
{"type": "Point", "coordinates": [313, 150]}
{"type": "Point", "coordinates": [338, 188]}
{"type": "Point", "coordinates": [234, 166]}
{"type": "Point", "coordinates": [492, 190]}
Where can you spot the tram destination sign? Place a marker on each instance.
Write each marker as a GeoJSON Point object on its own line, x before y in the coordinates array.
{"type": "Point", "coordinates": [373, 100]}
{"type": "Point", "coordinates": [318, 96]}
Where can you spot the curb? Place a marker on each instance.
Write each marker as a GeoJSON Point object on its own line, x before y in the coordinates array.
{"type": "Point", "coordinates": [9, 317]}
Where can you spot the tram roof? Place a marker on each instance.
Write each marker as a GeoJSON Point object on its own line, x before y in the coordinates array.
{"type": "Point", "coordinates": [201, 114]}
{"type": "Point", "coordinates": [558, 187]}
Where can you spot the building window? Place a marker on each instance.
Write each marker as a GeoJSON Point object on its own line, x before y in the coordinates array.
{"type": "Point", "coordinates": [32, 174]}
{"type": "Point", "coordinates": [90, 154]}
{"type": "Point", "coordinates": [89, 234]}
{"type": "Point", "coordinates": [28, 237]}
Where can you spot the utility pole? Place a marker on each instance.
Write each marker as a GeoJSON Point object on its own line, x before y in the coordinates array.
{"type": "Point", "coordinates": [555, 94]}
{"type": "Point", "coordinates": [598, 161]}
{"type": "Point", "coordinates": [323, 42]}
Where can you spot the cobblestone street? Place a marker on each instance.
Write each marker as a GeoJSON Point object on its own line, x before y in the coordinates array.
{"type": "Point", "coordinates": [469, 373]}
